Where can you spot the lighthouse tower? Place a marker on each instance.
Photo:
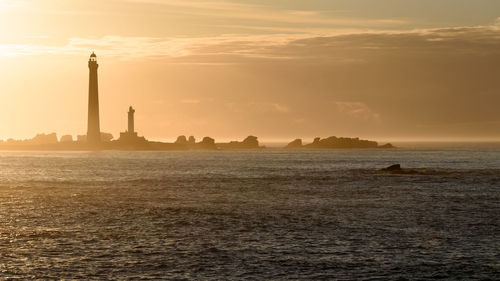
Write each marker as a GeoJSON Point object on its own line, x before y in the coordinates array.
{"type": "Point", "coordinates": [93, 129]}
{"type": "Point", "coordinates": [131, 112]}
{"type": "Point", "coordinates": [130, 137]}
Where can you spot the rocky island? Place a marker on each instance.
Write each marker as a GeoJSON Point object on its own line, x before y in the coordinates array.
{"type": "Point", "coordinates": [133, 142]}
{"type": "Point", "coordinates": [336, 143]}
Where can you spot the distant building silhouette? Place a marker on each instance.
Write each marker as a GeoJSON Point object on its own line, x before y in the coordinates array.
{"type": "Point", "coordinates": [130, 136]}
{"type": "Point", "coordinates": [93, 128]}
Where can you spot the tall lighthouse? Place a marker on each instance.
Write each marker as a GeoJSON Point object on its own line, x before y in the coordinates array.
{"type": "Point", "coordinates": [93, 129]}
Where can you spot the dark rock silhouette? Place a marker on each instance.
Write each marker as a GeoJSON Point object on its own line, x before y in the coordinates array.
{"type": "Point", "coordinates": [40, 141]}
{"type": "Point", "coordinates": [130, 141]}
{"type": "Point", "coordinates": [294, 144]}
{"type": "Point", "coordinates": [208, 140]}
{"type": "Point", "coordinates": [45, 139]}
{"type": "Point", "coordinates": [152, 145]}
{"type": "Point", "coordinates": [336, 143]}
{"type": "Point", "coordinates": [250, 142]}
{"type": "Point", "coordinates": [206, 143]}
{"type": "Point", "coordinates": [395, 167]}
{"type": "Point", "coordinates": [66, 138]}
{"type": "Point", "coordinates": [181, 140]}
{"type": "Point", "coordinates": [387, 146]}
{"type": "Point", "coordinates": [182, 144]}
{"type": "Point", "coordinates": [106, 137]}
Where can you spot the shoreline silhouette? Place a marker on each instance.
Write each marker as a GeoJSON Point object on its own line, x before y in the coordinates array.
{"type": "Point", "coordinates": [95, 139]}
{"type": "Point", "coordinates": [66, 143]}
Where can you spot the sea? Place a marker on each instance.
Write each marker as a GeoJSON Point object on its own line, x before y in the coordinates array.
{"type": "Point", "coordinates": [251, 215]}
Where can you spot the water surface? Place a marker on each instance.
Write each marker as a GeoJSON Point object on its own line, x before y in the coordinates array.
{"type": "Point", "coordinates": [264, 215]}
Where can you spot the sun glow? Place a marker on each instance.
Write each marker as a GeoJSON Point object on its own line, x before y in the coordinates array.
{"type": "Point", "coordinates": [221, 68]}
{"type": "Point", "coordinates": [9, 5]}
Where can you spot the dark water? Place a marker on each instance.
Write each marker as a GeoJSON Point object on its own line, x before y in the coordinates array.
{"type": "Point", "coordinates": [257, 215]}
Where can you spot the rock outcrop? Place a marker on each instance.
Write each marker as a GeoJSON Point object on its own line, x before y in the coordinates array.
{"type": "Point", "coordinates": [294, 144]}
{"type": "Point", "coordinates": [250, 142]}
{"type": "Point", "coordinates": [44, 139]}
{"type": "Point", "coordinates": [336, 143]}
{"type": "Point", "coordinates": [206, 143]}
{"type": "Point", "coordinates": [387, 146]}
{"type": "Point", "coordinates": [66, 138]}
{"type": "Point", "coordinates": [181, 140]}
{"type": "Point", "coordinates": [398, 170]}
{"type": "Point", "coordinates": [106, 137]}
{"type": "Point", "coordinates": [395, 167]}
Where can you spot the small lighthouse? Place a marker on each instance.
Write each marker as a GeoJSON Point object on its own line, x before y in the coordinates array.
{"type": "Point", "coordinates": [130, 136]}
{"type": "Point", "coordinates": [131, 112]}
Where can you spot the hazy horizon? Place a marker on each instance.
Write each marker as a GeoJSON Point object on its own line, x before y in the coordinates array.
{"type": "Point", "coordinates": [385, 70]}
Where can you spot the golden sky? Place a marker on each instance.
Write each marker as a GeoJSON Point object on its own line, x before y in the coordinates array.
{"type": "Point", "coordinates": [278, 69]}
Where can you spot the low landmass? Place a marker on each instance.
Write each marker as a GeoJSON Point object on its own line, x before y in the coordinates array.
{"type": "Point", "coordinates": [336, 143]}
{"type": "Point", "coordinates": [131, 141]}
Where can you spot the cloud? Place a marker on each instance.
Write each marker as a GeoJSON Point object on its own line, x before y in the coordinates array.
{"type": "Point", "coordinates": [208, 5]}
{"type": "Point", "coordinates": [15, 50]}
{"type": "Point", "coordinates": [139, 47]}
{"type": "Point", "coordinates": [341, 47]}
{"type": "Point", "coordinates": [6, 5]}
{"type": "Point", "coordinates": [357, 110]}
{"type": "Point", "coordinates": [260, 107]}
{"type": "Point", "coordinates": [268, 16]}
{"type": "Point", "coordinates": [303, 13]}
{"type": "Point", "coordinates": [281, 108]}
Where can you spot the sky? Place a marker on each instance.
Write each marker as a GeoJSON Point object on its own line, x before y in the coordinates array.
{"type": "Point", "coordinates": [277, 69]}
